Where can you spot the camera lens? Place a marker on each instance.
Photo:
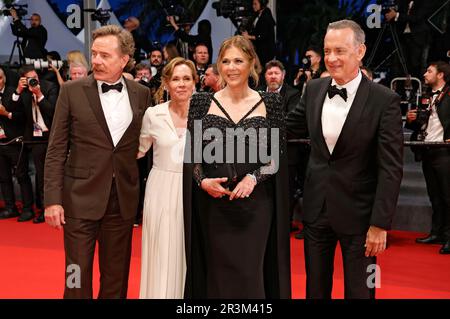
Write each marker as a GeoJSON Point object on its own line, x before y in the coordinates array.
{"type": "Point", "coordinates": [33, 82]}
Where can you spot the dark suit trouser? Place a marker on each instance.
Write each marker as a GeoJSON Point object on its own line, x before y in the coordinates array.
{"type": "Point", "coordinates": [436, 169]}
{"type": "Point", "coordinates": [38, 152]}
{"type": "Point", "coordinates": [114, 236]}
{"type": "Point", "coordinates": [9, 158]}
{"type": "Point", "coordinates": [320, 246]}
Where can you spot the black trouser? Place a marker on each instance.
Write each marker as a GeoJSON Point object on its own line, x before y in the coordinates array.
{"type": "Point", "coordinates": [9, 161]}
{"type": "Point", "coordinates": [114, 236]}
{"type": "Point", "coordinates": [320, 246]}
{"type": "Point", "coordinates": [38, 152]}
{"type": "Point", "coordinates": [436, 169]}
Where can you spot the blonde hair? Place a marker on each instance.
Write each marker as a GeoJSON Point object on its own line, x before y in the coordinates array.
{"type": "Point", "coordinates": [126, 42]}
{"type": "Point", "coordinates": [244, 45]}
{"type": "Point", "coordinates": [77, 57]}
{"type": "Point", "coordinates": [167, 73]}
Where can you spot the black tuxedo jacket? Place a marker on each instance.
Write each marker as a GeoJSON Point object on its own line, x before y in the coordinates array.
{"type": "Point", "coordinates": [46, 106]}
{"type": "Point", "coordinates": [13, 127]}
{"type": "Point", "coordinates": [359, 182]}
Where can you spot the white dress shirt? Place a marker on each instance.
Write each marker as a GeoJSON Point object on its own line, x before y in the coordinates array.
{"type": "Point", "coordinates": [435, 130]}
{"type": "Point", "coordinates": [335, 111]}
{"type": "Point", "coordinates": [117, 110]}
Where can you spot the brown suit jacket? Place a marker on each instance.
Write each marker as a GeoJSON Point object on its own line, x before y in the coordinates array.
{"type": "Point", "coordinates": [81, 158]}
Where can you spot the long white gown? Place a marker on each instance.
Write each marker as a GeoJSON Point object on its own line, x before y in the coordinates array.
{"type": "Point", "coordinates": [163, 261]}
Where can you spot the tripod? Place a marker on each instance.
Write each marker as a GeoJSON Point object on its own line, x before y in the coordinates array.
{"type": "Point", "coordinates": [398, 48]}
{"type": "Point", "coordinates": [17, 44]}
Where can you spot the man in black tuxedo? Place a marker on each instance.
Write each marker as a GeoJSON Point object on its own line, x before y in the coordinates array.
{"type": "Point", "coordinates": [11, 127]}
{"type": "Point", "coordinates": [37, 98]}
{"type": "Point", "coordinates": [274, 75]}
{"type": "Point", "coordinates": [414, 30]}
{"type": "Point", "coordinates": [435, 161]}
{"type": "Point", "coordinates": [34, 38]}
{"type": "Point", "coordinates": [355, 167]}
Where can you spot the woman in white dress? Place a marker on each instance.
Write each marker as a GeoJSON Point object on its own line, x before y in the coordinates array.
{"type": "Point", "coordinates": [163, 268]}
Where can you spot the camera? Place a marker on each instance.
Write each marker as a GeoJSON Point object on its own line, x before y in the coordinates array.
{"type": "Point", "coordinates": [20, 10]}
{"type": "Point", "coordinates": [233, 9]}
{"type": "Point", "coordinates": [239, 11]}
{"type": "Point", "coordinates": [32, 82]}
{"type": "Point", "coordinates": [40, 64]}
{"type": "Point", "coordinates": [423, 115]}
{"type": "Point", "coordinates": [100, 15]}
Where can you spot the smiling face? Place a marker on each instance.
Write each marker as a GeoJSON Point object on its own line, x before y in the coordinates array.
{"type": "Point", "coordinates": [342, 54]}
{"type": "Point", "coordinates": [234, 67]}
{"type": "Point", "coordinates": [181, 84]}
{"type": "Point", "coordinates": [108, 61]}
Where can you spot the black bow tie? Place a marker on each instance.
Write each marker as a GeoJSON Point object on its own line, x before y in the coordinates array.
{"type": "Point", "coordinates": [107, 87]}
{"type": "Point", "coordinates": [436, 92]}
{"type": "Point", "coordinates": [333, 90]}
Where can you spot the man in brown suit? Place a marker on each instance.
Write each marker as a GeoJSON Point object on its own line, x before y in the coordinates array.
{"type": "Point", "coordinates": [91, 173]}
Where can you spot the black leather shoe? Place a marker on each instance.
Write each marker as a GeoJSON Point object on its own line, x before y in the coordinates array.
{"type": "Point", "coordinates": [431, 239]}
{"type": "Point", "coordinates": [300, 235]}
{"type": "Point", "coordinates": [9, 213]}
{"type": "Point", "coordinates": [39, 219]}
{"type": "Point", "coordinates": [446, 248]}
{"type": "Point", "coordinates": [25, 216]}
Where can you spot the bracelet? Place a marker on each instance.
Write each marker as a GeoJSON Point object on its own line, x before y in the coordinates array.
{"type": "Point", "coordinates": [253, 177]}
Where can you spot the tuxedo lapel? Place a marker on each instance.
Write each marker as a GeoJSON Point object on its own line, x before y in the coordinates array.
{"type": "Point", "coordinates": [354, 114]}
{"type": "Point", "coordinates": [91, 90]}
{"type": "Point", "coordinates": [317, 117]}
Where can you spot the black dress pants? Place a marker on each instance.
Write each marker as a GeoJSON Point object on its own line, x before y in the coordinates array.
{"type": "Point", "coordinates": [436, 169]}
{"type": "Point", "coordinates": [320, 245]}
{"type": "Point", "coordinates": [9, 162]}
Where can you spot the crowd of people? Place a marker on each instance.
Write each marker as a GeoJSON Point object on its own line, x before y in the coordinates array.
{"type": "Point", "coordinates": [199, 151]}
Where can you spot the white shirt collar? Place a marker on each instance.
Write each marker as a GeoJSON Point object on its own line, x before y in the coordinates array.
{"type": "Point", "coordinates": [351, 86]}
{"type": "Point", "coordinates": [278, 90]}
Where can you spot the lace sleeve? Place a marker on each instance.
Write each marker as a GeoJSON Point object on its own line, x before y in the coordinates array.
{"type": "Point", "coordinates": [198, 174]}
{"type": "Point", "coordinates": [265, 172]}
{"type": "Point", "coordinates": [275, 116]}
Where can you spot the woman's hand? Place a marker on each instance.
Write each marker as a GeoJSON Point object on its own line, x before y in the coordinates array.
{"type": "Point", "coordinates": [244, 188]}
{"type": "Point", "coordinates": [214, 188]}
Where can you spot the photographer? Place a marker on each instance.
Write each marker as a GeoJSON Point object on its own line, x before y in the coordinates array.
{"type": "Point", "coordinates": [431, 123]}
{"type": "Point", "coordinates": [262, 31]}
{"type": "Point", "coordinates": [410, 19]}
{"type": "Point", "coordinates": [11, 160]}
{"type": "Point", "coordinates": [310, 69]}
{"type": "Point", "coordinates": [37, 99]}
{"type": "Point", "coordinates": [132, 24]}
{"type": "Point", "coordinates": [203, 36]}
{"type": "Point", "coordinates": [143, 74]}
{"type": "Point", "coordinates": [34, 38]}
{"type": "Point", "coordinates": [201, 58]}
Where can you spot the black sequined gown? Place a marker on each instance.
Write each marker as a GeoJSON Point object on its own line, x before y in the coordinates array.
{"type": "Point", "coordinates": [236, 231]}
{"type": "Point", "coordinates": [238, 248]}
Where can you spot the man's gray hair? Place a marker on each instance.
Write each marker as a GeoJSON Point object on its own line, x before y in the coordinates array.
{"type": "Point", "coordinates": [360, 37]}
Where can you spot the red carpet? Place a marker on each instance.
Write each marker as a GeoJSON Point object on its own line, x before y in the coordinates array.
{"type": "Point", "coordinates": [32, 265]}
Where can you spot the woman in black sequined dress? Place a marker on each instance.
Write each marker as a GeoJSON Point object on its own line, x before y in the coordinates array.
{"type": "Point", "coordinates": [235, 193]}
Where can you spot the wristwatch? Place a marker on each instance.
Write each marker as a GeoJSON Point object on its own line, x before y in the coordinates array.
{"type": "Point", "coordinates": [253, 177]}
